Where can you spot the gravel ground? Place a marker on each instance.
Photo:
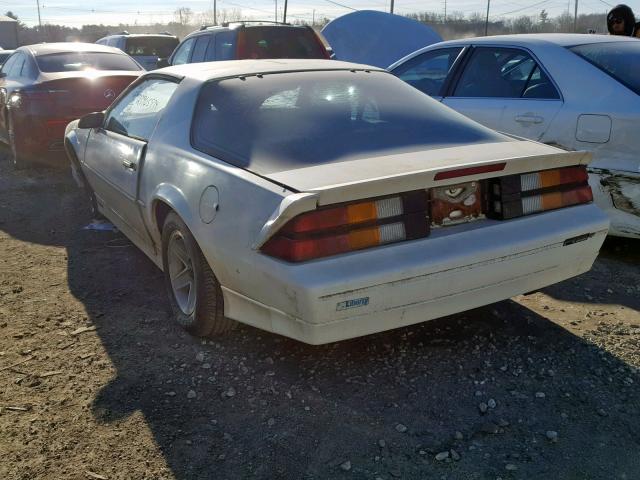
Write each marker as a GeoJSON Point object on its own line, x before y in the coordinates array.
{"type": "Point", "coordinates": [97, 382]}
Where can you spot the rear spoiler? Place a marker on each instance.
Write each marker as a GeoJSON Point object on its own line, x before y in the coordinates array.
{"type": "Point", "coordinates": [410, 171]}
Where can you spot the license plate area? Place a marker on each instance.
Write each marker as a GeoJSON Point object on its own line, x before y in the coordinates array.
{"type": "Point", "coordinates": [455, 204]}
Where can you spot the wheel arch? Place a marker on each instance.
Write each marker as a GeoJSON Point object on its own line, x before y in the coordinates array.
{"type": "Point", "coordinates": [166, 199]}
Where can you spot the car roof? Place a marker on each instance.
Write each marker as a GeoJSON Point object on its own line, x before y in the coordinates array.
{"type": "Point", "coordinates": [67, 47]}
{"type": "Point", "coordinates": [237, 25]}
{"type": "Point", "coordinates": [136, 35]}
{"type": "Point", "coordinates": [531, 39]}
{"type": "Point", "coordinates": [236, 68]}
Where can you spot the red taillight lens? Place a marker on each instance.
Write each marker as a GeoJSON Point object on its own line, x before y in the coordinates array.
{"type": "Point", "coordinates": [518, 195]}
{"type": "Point", "coordinates": [351, 226]}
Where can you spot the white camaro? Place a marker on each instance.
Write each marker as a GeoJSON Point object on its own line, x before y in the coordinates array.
{"type": "Point", "coordinates": [325, 200]}
{"type": "Point", "coordinates": [578, 92]}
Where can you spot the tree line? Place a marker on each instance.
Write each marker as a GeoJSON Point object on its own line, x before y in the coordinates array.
{"type": "Point", "coordinates": [454, 25]}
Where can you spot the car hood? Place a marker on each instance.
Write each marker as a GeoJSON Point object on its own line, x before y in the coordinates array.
{"type": "Point", "coordinates": [376, 38]}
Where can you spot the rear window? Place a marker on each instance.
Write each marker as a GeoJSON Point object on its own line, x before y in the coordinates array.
{"type": "Point", "coordinates": [621, 60]}
{"type": "Point", "coordinates": [282, 121]}
{"type": "Point", "coordinates": [80, 61]}
{"type": "Point", "coordinates": [279, 42]}
{"type": "Point", "coordinates": [160, 47]}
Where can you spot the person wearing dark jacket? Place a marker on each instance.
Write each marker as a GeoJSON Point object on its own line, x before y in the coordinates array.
{"type": "Point", "coordinates": [621, 21]}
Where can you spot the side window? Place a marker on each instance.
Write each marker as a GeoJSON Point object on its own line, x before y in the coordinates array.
{"type": "Point", "coordinates": [200, 48]}
{"type": "Point", "coordinates": [504, 73]}
{"type": "Point", "coordinates": [137, 113]}
{"type": "Point", "coordinates": [183, 53]}
{"type": "Point", "coordinates": [29, 69]}
{"type": "Point", "coordinates": [8, 65]}
{"type": "Point", "coordinates": [16, 68]}
{"type": "Point", "coordinates": [428, 72]}
{"type": "Point", "coordinates": [225, 46]}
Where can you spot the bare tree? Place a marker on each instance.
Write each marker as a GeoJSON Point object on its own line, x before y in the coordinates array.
{"type": "Point", "coordinates": [183, 15]}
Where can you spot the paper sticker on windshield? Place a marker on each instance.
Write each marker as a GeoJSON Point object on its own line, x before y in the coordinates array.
{"type": "Point", "coordinates": [354, 303]}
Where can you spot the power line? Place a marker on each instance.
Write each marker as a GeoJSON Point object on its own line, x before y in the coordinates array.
{"type": "Point", "coordinates": [342, 5]}
{"type": "Point", "coordinates": [520, 9]}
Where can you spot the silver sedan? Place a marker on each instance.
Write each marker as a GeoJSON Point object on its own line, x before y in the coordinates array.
{"type": "Point", "coordinates": [325, 200]}
{"type": "Point", "coordinates": [578, 92]}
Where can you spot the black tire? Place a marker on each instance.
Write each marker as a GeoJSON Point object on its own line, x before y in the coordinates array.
{"type": "Point", "coordinates": [207, 317]}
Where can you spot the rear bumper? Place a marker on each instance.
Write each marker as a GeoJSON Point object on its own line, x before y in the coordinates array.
{"type": "Point", "coordinates": [455, 269]}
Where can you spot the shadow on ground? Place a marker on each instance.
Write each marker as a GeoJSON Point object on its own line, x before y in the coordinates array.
{"type": "Point", "coordinates": [255, 405]}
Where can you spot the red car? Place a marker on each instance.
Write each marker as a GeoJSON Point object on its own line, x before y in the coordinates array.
{"type": "Point", "coordinates": [43, 87]}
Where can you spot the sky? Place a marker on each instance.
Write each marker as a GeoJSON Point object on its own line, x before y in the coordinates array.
{"type": "Point", "coordinates": [143, 12]}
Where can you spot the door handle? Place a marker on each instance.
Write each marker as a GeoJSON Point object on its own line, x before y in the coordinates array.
{"type": "Point", "coordinates": [129, 165]}
{"type": "Point", "coordinates": [528, 119]}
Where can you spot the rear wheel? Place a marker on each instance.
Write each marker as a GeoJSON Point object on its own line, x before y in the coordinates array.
{"type": "Point", "coordinates": [194, 292]}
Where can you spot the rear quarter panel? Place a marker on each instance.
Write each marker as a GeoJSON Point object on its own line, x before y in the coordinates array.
{"type": "Point", "coordinates": [174, 173]}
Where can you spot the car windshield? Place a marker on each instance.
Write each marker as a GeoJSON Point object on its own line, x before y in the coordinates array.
{"type": "Point", "coordinates": [280, 42]}
{"type": "Point", "coordinates": [80, 61]}
{"type": "Point", "coordinates": [621, 60]}
{"type": "Point", "coordinates": [160, 47]}
{"type": "Point", "coordinates": [283, 121]}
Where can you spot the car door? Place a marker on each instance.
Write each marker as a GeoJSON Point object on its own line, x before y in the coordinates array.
{"type": "Point", "coordinates": [115, 153]}
{"type": "Point", "coordinates": [200, 48]}
{"type": "Point", "coordinates": [505, 89]}
{"type": "Point", "coordinates": [428, 71]}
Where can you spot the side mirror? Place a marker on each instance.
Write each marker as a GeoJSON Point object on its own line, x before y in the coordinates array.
{"type": "Point", "coordinates": [92, 120]}
{"type": "Point", "coordinates": [162, 62]}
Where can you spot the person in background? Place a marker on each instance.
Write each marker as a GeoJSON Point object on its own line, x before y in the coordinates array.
{"type": "Point", "coordinates": [621, 21]}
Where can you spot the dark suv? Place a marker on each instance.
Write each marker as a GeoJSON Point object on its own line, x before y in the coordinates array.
{"type": "Point", "coordinates": [242, 41]}
{"type": "Point", "coordinates": [146, 48]}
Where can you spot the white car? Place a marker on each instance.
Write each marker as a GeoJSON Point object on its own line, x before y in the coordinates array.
{"type": "Point", "coordinates": [325, 200]}
{"type": "Point", "coordinates": [578, 92]}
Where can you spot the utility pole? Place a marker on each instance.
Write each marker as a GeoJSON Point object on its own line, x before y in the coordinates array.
{"type": "Point", "coordinates": [215, 12]}
{"type": "Point", "coordinates": [486, 22]}
{"type": "Point", "coordinates": [276, 15]}
{"type": "Point", "coordinates": [575, 18]}
{"type": "Point", "coordinates": [39, 19]}
{"type": "Point", "coordinates": [284, 17]}
{"type": "Point", "coordinates": [445, 11]}
{"type": "Point", "coordinates": [391, 10]}
{"type": "Point", "coordinates": [313, 18]}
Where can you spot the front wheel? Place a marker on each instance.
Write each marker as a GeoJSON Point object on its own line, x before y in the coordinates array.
{"type": "Point", "coordinates": [194, 292]}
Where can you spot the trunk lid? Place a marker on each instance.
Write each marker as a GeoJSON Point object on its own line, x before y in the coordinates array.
{"type": "Point", "coordinates": [363, 178]}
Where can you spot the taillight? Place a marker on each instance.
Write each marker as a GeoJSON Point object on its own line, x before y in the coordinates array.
{"type": "Point", "coordinates": [241, 45]}
{"type": "Point", "coordinates": [517, 195]}
{"type": "Point", "coordinates": [21, 98]}
{"type": "Point", "coordinates": [352, 226]}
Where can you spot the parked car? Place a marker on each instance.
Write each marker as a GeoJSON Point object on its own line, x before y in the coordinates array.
{"type": "Point", "coordinates": [43, 87]}
{"type": "Point", "coordinates": [4, 55]}
{"type": "Point", "coordinates": [325, 200]}
{"type": "Point", "coordinates": [146, 48]}
{"type": "Point", "coordinates": [245, 40]}
{"type": "Point", "coordinates": [579, 92]}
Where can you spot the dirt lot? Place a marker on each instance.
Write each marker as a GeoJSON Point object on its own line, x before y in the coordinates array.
{"type": "Point", "coordinates": [97, 382]}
